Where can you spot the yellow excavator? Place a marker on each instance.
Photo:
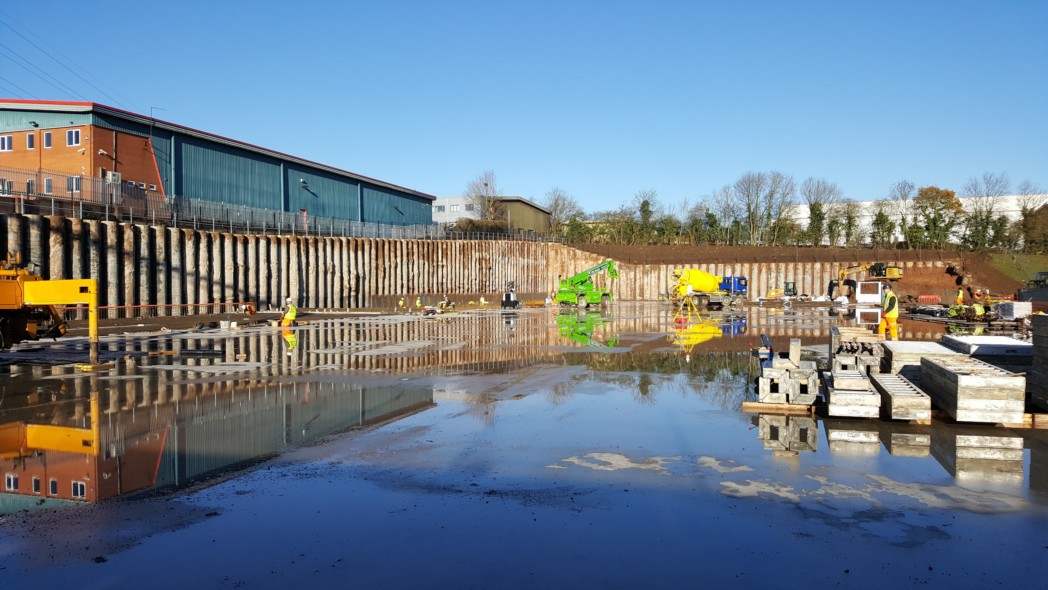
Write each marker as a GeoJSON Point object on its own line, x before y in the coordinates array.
{"type": "Point", "coordinates": [874, 271]}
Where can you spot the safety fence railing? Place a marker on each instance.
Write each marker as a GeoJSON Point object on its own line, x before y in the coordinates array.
{"type": "Point", "coordinates": [48, 192]}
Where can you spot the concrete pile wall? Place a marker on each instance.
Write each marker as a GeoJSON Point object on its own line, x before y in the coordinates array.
{"type": "Point", "coordinates": [138, 264]}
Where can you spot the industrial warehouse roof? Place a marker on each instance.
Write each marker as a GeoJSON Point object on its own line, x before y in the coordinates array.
{"type": "Point", "coordinates": [58, 106]}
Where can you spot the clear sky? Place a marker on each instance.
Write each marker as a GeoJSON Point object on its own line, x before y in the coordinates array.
{"type": "Point", "coordinates": [602, 99]}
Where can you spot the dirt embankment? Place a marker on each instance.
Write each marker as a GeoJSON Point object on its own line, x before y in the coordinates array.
{"type": "Point", "coordinates": [972, 269]}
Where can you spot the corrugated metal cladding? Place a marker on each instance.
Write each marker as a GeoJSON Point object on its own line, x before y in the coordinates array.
{"type": "Point", "coordinates": [223, 174]}
{"type": "Point", "coordinates": [198, 165]}
{"type": "Point", "coordinates": [383, 206]}
{"type": "Point", "coordinates": [322, 194]}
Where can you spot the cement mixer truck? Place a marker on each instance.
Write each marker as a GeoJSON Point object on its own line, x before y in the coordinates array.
{"type": "Point", "coordinates": [707, 290]}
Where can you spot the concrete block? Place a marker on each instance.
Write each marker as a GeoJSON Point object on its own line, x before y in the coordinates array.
{"type": "Point", "coordinates": [851, 380]}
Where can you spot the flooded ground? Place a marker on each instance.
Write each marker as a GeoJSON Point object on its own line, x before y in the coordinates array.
{"type": "Point", "coordinates": [486, 449]}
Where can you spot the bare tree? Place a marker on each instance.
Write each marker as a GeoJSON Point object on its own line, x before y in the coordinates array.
{"type": "Point", "coordinates": [983, 205]}
{"type": "Point", "coordinates": [1031, 198]}
{"type": "Point", "coordinates": [820, 195]}
{"type": "Point", "coordinates": [562, 209]}
{"type": "Point", "coordinates": [900, 201]}
{"type": "Point", "coordinates": [483, 194]}
{"type": "Point", "coordinates": [763, 198]}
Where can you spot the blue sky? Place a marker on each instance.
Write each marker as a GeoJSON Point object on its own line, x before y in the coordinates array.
{"type": "Point", "coordinates": [601, 99]}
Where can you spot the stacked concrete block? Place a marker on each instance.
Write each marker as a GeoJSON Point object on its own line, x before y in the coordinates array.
{"type": "Point", "coordinates": [1037, 384]}
{"type": "Point", "coordinates": [857, 348]}
{"type": "Point", "coordinates": [851, 438]}
{"type": "Point", "coordinates": [849, 394]}
{"type": "Point", "coordinates": [788, 433]}
{"type": "Point", "coordinates": [1005, 352]}
{"type": "Point", "coordinates": [901, 399]}
{"type": "Point", "coordinates": [789, 380]}
{"type": "Point", "coordinates": [904, 357]}
{"type": "Point", "coordinates": [970, 390]}
{"type": "Point", "coordinates": [976, 456]}
{"type": "Point", "coordinates": [772, 386]}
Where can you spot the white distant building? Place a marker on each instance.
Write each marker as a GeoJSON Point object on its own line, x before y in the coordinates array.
{"type": "Point", "coordinates": [521, 215]}
{"type": "Point", "coordinates": [1008, 205]}
{"type": "Point", "coordinates": [451, 209]}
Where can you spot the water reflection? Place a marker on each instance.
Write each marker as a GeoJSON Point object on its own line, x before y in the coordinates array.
{"type": "Point", "coordinates": [157, 424]}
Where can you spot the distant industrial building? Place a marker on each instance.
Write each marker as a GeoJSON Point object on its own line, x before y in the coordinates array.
{"type": "Point", "coordinates": [83, 151]}
{"type": "Point", "coordinates": [521, 215]}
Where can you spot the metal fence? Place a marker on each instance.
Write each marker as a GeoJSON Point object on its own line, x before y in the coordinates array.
{"type": "Point", "coordinates": [48, 192]}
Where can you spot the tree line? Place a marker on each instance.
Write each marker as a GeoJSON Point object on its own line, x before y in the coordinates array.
{"type": "Point", "coordinates": [772, 209]}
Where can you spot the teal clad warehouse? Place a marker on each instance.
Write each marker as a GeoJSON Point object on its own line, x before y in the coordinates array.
{"type": "Point", "coordinates": [174, 161]}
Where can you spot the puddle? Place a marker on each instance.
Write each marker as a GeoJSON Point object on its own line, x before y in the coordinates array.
{"type": "Point", "coordinates": [534, 448]}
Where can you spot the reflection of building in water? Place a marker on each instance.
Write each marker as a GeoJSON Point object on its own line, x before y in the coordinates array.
{"type": "Point", "coordinates": [855, 438]}
{"type": "Point", "coordinates": [788, 433]}
{"type": "Point", "coordinates": [156, 429]}
{"type": "Point", "coordinates": [980, 454]}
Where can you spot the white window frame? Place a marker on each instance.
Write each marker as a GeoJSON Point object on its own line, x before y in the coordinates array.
{"type": "Point", "coordinates": [7, 143]}
{"type": "Point", "coordinates": [52, 487]}
{"type": "Point", "coordinates": [30, 186]}
{"type": "Point", "coordinates": [74, 184]}
{"type": "Point", "coordinates": [49, 186]}
{"type": "Point", "coordinates": [11, 482]}
{"type": "Point", "coordinates": [79, 489]}
{"type": "Point", "coordinates": [152, 187]}
{"type": "Point", "coordinates": [454, 208]}
{"type": "Point", "coordinates": [30, 141]}
{"type": "Point", "coordinates": [72, 137]}
{"type": "Point", "coordinates": [47, 140]}
{"type": "Point", "coordinates": [37, 486]}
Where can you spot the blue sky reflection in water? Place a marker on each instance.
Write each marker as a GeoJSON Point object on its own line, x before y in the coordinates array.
{"type": "Point", "coordinates": [570, 470]}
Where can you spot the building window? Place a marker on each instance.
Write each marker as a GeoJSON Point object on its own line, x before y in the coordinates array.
{"type": "Point", "coordinates": [47, 140]}
{"type": "Point", "coordinates": [49, 186]}
{"type": "Point", "coordinates": [469, 206]}
{"type": "Point", "coordinates": [30, 186]}
{"type": "Point", "coordinates": [440, 208]}
{"type": "Point", "coordinates": [152, 187]}
{"type": "Point", "coordinates": [52, 487]}
{"type": "Point", "coordinates": [454, 208]}
{"type": "Point", "coordinates": [36, 485]}
{"type": "Point", "coordinates": [73, 184]}
{"type": "Point", "coordinates": [142, 185]}
{"type": "Point", "coordinates": [72, 137]}
{"type": "Point", "coordinates": [79, 489]}
{"type": "Point", "coordinates": [6, 143]}
{"type": "Point", "coordinates": [30, 141]}
{"type": "Point", "coordinates": [11, 482]}
{"type": "Point", "coordinates": [5, 186]}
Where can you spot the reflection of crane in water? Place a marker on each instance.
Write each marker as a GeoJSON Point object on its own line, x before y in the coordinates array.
{"type": "Point", "coordinates": [580, 326]}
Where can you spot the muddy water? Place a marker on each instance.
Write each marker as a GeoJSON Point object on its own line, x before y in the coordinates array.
{"type": "Point", "coordinates": [486, 449]}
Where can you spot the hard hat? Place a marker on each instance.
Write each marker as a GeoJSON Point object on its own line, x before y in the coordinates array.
{"type": "Point", "coordinates": [888, 286]}
{"type": "Point", "coordinates": [289, 300]}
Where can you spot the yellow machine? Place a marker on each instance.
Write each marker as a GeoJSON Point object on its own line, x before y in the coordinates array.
{"type": "Point", "coordinates": [27, 304]}
{"type": "Point", "coordinates": [707, 290]}
{"type": "Point", "coordinates": [874, 271]}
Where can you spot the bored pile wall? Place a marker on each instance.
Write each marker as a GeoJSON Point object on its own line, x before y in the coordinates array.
{"type": "Point", "coordinates": [139, 264]}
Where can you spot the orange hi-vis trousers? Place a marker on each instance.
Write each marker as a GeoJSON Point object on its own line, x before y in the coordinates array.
{"type": "Point", "coordinates": [892, 326]}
